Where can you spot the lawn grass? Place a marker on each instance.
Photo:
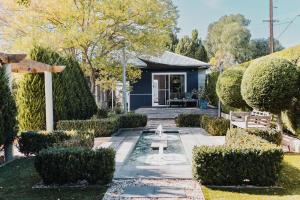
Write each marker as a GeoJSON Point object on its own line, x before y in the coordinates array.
{"type": "Point", "coordinates": [18, 177]}
{"type": "Point", "coordinates": [289, 181]}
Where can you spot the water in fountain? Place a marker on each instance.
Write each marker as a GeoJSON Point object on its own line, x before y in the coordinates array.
{"type": "Point", "coordinates": [145, 151]}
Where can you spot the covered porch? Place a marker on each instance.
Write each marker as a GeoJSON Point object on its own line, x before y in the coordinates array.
{"type": "Point", "coordinates": [172, 113]}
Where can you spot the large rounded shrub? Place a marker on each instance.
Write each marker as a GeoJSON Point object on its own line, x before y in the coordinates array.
{"type": "Point", "coordinates": [229, 87]}
{"type": "Point", "coordinates": [269, 84]}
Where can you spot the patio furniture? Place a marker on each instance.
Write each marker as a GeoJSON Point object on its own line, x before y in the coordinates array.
{"type": "Point", "coordinates": [182, 102]}
{"type": "Point", "coordinates": [254, 119]}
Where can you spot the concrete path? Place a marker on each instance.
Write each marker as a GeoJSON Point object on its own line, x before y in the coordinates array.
{"type": "Point", "coordinates": [158, 189]}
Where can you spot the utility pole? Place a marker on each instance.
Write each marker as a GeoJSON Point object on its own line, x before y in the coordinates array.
{"type": "Point", "coordinates": [124, 80]}
{"type": "Point", "coordinates": [271, 27]}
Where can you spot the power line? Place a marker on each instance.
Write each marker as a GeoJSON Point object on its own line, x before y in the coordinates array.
{"type": "Point", "coordinates": [287, 27]}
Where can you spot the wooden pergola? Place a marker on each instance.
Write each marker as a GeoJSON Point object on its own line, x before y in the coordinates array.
{"type": "Point", "coordinates": [16, 63]}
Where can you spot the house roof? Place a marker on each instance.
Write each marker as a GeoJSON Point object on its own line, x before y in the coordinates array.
{"type": "Point", "coordinates": [174, 60]}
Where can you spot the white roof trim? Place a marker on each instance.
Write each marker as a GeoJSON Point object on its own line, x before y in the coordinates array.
{"type": "Point", "coordinates": [173, 59]}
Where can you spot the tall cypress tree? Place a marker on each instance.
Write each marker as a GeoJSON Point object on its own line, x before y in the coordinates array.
{"type": "Point", "coordinates": [7, 114]}
{"type": "Point", "coordinates": [71, 96]}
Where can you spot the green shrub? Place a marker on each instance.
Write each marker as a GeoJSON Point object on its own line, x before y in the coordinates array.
{"type": "Point", "coordinates": [269, 84]}
{"type": "Point", "coordinates": [100, 127]}
{"type": "Point", "coordinates": [31, 143]}
{"type": "Point", "coordinates": [70, 165]}
{"type": "Point", "coordinates": [8, 111]}
{"type": "Point", "coordinates": [215, 126]}
{"type": "Point", "coordinates": [132, 120]}
{"type": "Point", "coordinates": [291, 118]}
{"type": "Point", "coordinates": [271, 135]}
{"type": "Point", "coordinates": [102, 113]}
{"type": "Point", "coordinates": [211, 82]}
{"type": "Point", "coordinates": [229, 87]}
{"type": "Point", "coordinates": [244, 159]}
{"type": "Point", "coordinates": [188, 120]}
{"type": "Point", "coordinates": [78, 139]}
{"type": "Point", "coordinates": [72, 98]}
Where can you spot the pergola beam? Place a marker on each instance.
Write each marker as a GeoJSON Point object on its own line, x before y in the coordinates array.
{"type": "Point", "coordinates": [31, 66]}
{"type": "Point", "coordinates": [11, 58]}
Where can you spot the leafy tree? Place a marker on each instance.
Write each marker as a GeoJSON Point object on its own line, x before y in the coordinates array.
{"type": "Point", "coordinates": [172, 43]}
{"type": "Point", "coordinates": [260, 47]}
{"type": "Point", "coordinates": [228, 39]}
{"type": "Point", "coordinates": [89, 29]}
{"type": "Point", "coordinates": [270, 84]}
{"type": "Point", "coordinates": [71, 96]}
{"type": "Point", "coordinates": [192, 47]}
{"type": "Point", "coordinates": [7, 115]}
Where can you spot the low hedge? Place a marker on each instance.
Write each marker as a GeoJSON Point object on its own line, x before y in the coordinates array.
{"type": "Point", "coordinates": [215, 126]}
{"type": "Point", "coordinates": [30, 143]}
{"type": "Point", "coordinates": [132, 120]}
{"type": "Point", "coordinates": [271, 135]}
{"type": "Point", "coordinates": [70, 165]}
{"type": "Point", "coordinates": [244, 159]}
{"type": "Point", "coordinates": [100, 127]}
{"type": "Point", "coordinates": [78, 139]}
{"type": "Point", "coordinates": [188, 120]}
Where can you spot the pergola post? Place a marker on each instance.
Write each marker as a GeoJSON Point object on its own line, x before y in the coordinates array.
{"type": "Point", "coordinates": [49, 101]}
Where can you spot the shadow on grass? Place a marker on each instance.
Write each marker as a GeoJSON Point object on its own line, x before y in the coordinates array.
{"type": "Point", "coordinates": [18, 177]}
{"type": "Point", "coordinates": [288, 182]}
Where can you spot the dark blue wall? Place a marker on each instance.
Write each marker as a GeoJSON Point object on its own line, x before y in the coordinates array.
{"type": "Point", "coordinates": [141, 94]}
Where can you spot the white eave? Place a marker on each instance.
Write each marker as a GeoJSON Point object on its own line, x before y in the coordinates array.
{"type": "Point", "coordinates": [173, 59]}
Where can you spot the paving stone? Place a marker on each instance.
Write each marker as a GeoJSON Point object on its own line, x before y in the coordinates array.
{"type": "Point", "coordinates": [154, 192]}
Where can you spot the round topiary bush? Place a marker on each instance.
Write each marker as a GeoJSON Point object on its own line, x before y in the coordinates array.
{"type": "Point", "coordinates": [229, 87]}
{"type": "Point", "coordinates": [269, 84]}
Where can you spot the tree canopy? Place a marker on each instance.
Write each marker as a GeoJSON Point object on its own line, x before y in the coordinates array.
{"type": "Point", "coordinates": [172, 43]}
{"type": "Point", "coordinates": [192, 47]}
{"type": "Point", "coordinates": [89, 29]}
{"type": "Point", "coordinates": [260, 47]}
{"type": "Point", "coordinates": [228, 39]}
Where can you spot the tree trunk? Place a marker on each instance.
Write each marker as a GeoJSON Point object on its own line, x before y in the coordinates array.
{"type": "Point", "coordinates": [279, 123]}
{"type": "Point", "coordinates": [8, 152]}
{"type": "Point", "coordinates": [93, 82]}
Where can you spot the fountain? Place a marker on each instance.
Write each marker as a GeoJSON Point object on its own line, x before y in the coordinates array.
{"type": "Point", "coordinates": [159, 142]}
{"type": "Point", "coordinates": [158, 148]}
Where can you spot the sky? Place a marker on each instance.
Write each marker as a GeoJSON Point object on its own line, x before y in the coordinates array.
{"type": "Point", "coordinates": [200, 13]}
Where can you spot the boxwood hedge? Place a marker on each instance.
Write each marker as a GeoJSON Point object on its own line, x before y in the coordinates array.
{"type": "Point", "coordinates": [70, 165]}
{"type": "Point", "coordinates": [101, 127]}
{"type": "Point", "coordinates": [244, 159]}
{"type": "Point", "coordinates": [188, 120]}
{"type": "Point", "coordinates": [271, 135]}
{"type": "Point", "coordinates": [215, 126]}
{"type": "Point", "coordinates": [30, 143]}
{"type": "Point", "coordinates": [132, 120]}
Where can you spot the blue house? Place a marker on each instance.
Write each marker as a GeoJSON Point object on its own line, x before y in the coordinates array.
{"type": "Point", "coordinates": [169, 76]}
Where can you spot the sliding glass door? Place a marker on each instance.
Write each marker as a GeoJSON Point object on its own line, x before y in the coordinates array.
{"type": "Point", "coordinates": [167, 86]}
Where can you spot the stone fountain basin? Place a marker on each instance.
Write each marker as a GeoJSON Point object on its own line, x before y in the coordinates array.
{"type": "Point", "coordinates": [156, 145]}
